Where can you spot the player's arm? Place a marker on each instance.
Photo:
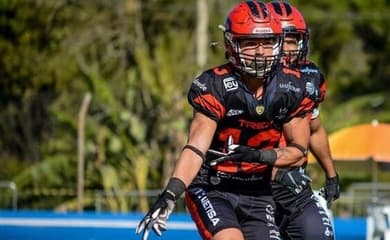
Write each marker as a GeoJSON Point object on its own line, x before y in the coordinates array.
{"type": "Point", "coordinates": [200, 136]}
{"type": "Point", "coordinates": [297, 134]}
{"type": "Point", "coordinates": [190, 160]}
{"type": "Point", "coordinates": [319, 147]}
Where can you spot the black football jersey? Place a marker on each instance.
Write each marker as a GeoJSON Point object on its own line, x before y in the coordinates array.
{"type": "Point", "coordinates": [221, 95]}
{"type": "Point", "coordinates": [314, 82]}
{"type": "Point", "coordinates": [315, 89]}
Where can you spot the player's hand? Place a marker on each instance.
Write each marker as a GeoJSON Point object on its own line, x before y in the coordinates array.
{"type": "Point", "coordinates": [240, 153]}
{"type": "Point", "coordinates": [332, 189]}
{"type": "Point", "coordinates": [156, 218]}
{"type": "Point", "coordinates": [237, 153]}
{"type": "Point", "coordinates": [294, 180]}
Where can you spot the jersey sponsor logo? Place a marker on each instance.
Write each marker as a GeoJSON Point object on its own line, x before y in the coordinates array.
{"type": "Point", "coordinates": [309, 70]}
{"type": "Point", "coordinates": [274, 234]}
{"type": "Point", "coordinates": [270, 216]}
{"type": "Point", "coordinates": [269, 209]}
{"type": "Point", "coordinates": [283, 111]}
{"type": "Point", "coordinates": [254, 125]}
{"type": "Point", "coordinates": [234, 112]}
{"type": "Point", "coordinates": [230, 84]}
{"type": "Point", "coordinates": [244, 179]}
{"type": "Point", "coordinates": [208, 207]}
{"type": "Point", "coordinates": [289, 86]}
{"type": "Point", "coordinates": [262, 30]}
{"type": "Point", "coordinates": [310, 88]}
{"type": "Point", "coordinates": [326, 221]}
{"type": "Point", "coordinates": [200, 85]}
{"type": "Point", "coordinates": [270, 213]}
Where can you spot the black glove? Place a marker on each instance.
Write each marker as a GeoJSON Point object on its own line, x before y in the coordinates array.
{"type": "Point", "coordinates": [332, 189]}
{"type": "Point", "coordinates": [158, 214]}
{"type": "Point", "coordinates": [238, 153]}
{"type": "Point", "coordinates": [294, 180]}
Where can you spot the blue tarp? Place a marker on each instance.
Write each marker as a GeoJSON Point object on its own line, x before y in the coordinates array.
{"type": "Point", "coordinates": [39, 225]}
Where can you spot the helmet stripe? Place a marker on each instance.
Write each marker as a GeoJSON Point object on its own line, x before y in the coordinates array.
{"type": "Point", "coordinates": [253, 8]}
{"type": "Point", "coordinates": [256, 6]}
{"type": "Point", "coordinates": [280, 6]}
{"type": "Point", "coordinates": [277, 8]}
{"type": "Point", "coordinates": [264, 9]}
{"type": "Point", "coordinates": [288, 8]}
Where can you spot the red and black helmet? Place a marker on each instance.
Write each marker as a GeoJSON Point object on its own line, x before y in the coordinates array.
{"type": "Point", "coordinates": [251, 20]}
{"type": "Point", "coordinates": [292, 23]}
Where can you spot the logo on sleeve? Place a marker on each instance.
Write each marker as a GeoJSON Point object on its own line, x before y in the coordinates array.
{"type": "Point", "coordinates": [200, 85]}
{"type": "Point", "coordinates": [310, 89]}
{"type": "Point", "coordinates": [309, 70]}
{"type": "Point", "coordinates": [230, 84]}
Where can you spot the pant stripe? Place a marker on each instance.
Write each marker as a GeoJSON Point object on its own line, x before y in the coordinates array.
{"type": "Point", "coordinates": [206, 235]}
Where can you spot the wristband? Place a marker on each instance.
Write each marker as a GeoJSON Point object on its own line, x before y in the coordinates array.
{"type": "Point", "coordinates": [175, 187]}
{"type": "Point", "coordinates": [268, 156]}
{"type": "Point", "coordinates": [299, 147]}
{"type": "Point", "coordinates": [195, 150]}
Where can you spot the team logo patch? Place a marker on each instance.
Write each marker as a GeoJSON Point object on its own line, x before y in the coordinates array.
{"type": "Point", "coordinates": [215, 180]}
{"type": "Point", "coordinates": [259, 109]}
{"type": "Point", "coordinates": [230, 83]}
{"type": "Point", "coordinates": [310, 88]}
{"type": "Point", "coordinates": [234, 112]}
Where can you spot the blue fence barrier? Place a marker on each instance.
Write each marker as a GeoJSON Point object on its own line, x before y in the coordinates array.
{"type": "Point", "coordinates": [23, 225]}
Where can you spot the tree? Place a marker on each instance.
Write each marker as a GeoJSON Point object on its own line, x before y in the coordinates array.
{"type": "Point", "coordinates": [137, 58]}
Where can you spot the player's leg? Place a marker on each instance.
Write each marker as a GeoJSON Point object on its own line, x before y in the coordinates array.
{"type": "Point", "coordinates": [309, 221]}
{"type": "Point", "coordinates": [257, 217]}
{"type": "Point", "coordinates": [213, 213]}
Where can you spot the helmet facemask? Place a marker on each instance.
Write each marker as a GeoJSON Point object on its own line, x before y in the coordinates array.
{"type": "Point", "coordinates": [297, 56]}
{"type": "Point", "coordinates": [256, 65]}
